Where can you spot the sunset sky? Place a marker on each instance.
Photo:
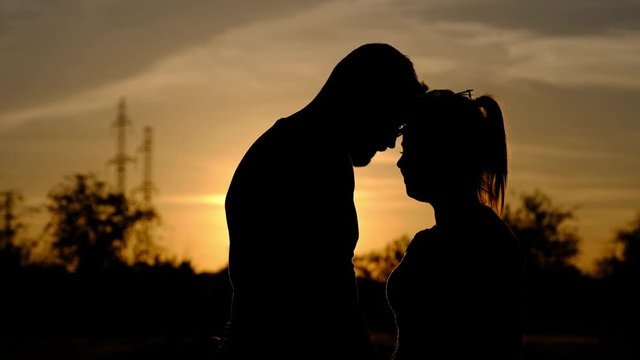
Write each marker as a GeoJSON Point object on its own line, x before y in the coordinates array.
{"type": "Point", "coordinates": [210, 76]}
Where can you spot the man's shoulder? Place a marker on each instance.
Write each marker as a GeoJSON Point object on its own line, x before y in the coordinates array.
{"type": "Point", "coordinates": [272, 138]}
{"type": "Point", "coordinates": [284, 133]}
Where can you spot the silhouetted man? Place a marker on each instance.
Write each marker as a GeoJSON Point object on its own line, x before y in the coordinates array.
{"type": "Point", "coordinates": [292, 220]}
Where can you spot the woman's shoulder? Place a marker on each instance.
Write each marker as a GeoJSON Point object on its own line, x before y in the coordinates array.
{"type": "Point", "coordinates": [423, 238]}
{"type": "Point", "coordinates": [504, 245]}
{"type": "Point", "coordinates": [492, 222]}
{"type": "Point", "coordinates": [425, 233]}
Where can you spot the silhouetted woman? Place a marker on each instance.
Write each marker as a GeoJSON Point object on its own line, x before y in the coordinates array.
{"type": "Point", "coordinates": [456, 294]}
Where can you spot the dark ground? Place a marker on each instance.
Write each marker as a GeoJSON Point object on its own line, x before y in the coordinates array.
{"type": "Point", "coordinates": [175, 314]}
{"type": "Point", "coordinates": [537, 347]}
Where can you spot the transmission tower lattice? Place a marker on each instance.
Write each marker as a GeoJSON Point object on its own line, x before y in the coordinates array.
{"type": "Point", "coordinates": [9, 227]}
{"type": "Point", "coordinates": [147, 187]}
{"type": "Point", "coordinates": [121, 159]}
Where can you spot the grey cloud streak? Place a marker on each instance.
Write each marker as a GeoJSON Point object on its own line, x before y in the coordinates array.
{"type": "Point", "coordinates": [52, 49]}
{"type": "Point", "coordinates": [567, 17]}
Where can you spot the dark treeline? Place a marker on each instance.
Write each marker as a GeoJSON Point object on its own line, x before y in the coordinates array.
{"type": "Point", "coordinates": [105, 278]}
{"type": "Point", "coordinates": [138, 300]}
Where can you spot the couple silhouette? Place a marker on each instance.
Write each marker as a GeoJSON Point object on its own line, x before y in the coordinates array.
{"type": "Point", "coordinates": [293, 225]}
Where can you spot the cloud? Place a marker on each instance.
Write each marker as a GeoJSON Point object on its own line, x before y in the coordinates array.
{"type": "Point", "coordinates": [54, 49]}
{"type": "Point", "coordinates": [546, 17]}
{"type": "Point", "coordinates": [109, 51]}
{"type": "Point", "coordinates": [599, 60]}
{"type": "Point", "coordinates": [606, 197]}
{"type": "Point", "coordinates": [564, 153]}
{"type": "Point", "coordinates": [197, 199]}
{"type": "Point", "coordinates": [482, 52]}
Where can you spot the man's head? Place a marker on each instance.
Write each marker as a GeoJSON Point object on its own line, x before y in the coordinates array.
{"type": "Point", "coordinates": [370, 93]}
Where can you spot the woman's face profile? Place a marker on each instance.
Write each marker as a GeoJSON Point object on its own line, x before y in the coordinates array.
{"type": "Point", "coordinates": [417, 166]}
{"type": "Point", "coordinates": [429, 159]}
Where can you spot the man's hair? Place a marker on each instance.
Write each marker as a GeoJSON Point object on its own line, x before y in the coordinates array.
{"type": "Point", "coordinates": [371, 72]}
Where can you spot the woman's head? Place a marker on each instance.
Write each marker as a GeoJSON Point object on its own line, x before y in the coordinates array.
{"type": "Point", "coordinates": [455, 148]}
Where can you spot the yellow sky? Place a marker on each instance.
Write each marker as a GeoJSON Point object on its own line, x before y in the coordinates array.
{"type": "Point", "coordinates": [209, 77]}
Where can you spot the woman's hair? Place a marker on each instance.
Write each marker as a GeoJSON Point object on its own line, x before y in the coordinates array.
{"type": "Point", "coordinates": [469, 136]}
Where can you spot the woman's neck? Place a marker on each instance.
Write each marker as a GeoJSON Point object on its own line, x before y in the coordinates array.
{"type": "Point", "coordinates": [455, 209]}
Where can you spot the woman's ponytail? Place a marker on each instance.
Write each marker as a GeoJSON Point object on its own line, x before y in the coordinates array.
{"type": "Point", "coordinates": [495, 156]}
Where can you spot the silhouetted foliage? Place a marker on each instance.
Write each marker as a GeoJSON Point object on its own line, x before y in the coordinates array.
{"type": "Point", "coordinates": [138, 300]}
{"type": "Point", "coordinates": [556, 294]}
{"type": "Point", "coordinates": [90, 225]}
{"type": "Point", "coordinates": [550, 243]}
{"type": "Point", "coordinates": [378, 264]}
{"type": "Point", "coordinates": [620, 274]}
{"type": "Point", "coordinates": [625, 263]}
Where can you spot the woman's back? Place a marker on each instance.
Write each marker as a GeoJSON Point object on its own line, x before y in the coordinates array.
{"type": "Point", "coordinates": [457, 292]}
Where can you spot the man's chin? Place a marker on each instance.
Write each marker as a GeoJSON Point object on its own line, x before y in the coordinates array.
{"type": "Point", "coordinates": [360, 160]}
{"type": "Point", "coordinates": [362, 163]}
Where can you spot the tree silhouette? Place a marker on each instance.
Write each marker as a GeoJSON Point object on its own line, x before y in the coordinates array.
{"type": "Point", "coordinates": [550, 243]}
{"type": "Point", "coordinates": [620, 273]}
{"type": "Point", "coordinates": [626, 263]}
{"type": "Point", "coordinates": [90, 225]}
{"type": "Point", "coordinates": [378, 264]}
